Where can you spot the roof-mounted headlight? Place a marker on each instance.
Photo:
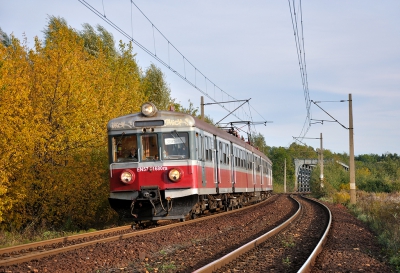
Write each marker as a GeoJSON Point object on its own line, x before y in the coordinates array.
{"type": "Point", "coordinates": [149, 109]}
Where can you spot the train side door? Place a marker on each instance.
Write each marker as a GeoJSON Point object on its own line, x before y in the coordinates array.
{"type": "Point", "coordinates": [215, 159]}
{"type": "Point", "coordinates": [232, 166]}
{"type": "Point", "coordinates": [253, 170]}
{"type": "Point", "coordinates": [262, 174]}
{"type": "Point", "coordinates": [202, 159]}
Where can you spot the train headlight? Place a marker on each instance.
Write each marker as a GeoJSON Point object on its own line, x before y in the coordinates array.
{"type": "Point", "coordinates": [175, 175]}
{"type": "Point", "coordinates": [127, 177]}
{"type": "Point", "coordinates": [149, 109]}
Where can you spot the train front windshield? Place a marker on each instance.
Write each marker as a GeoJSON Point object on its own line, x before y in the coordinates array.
{"type": "Point", "coordinates": [125, 148]}
{"type": "Point", "coordinates": [175, 145]}
{"type": "Point", "coordinates": [147, 147]}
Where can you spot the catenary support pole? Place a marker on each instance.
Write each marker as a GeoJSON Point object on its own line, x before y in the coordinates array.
{"type": "Point", "coordinates": [284, 178]}
{"type": "Point", "coordinates": [202, 107]}
{"type": "Point", "coordinates": [321, 150]}
{"type": "Point", "coordinates": [352, 165]}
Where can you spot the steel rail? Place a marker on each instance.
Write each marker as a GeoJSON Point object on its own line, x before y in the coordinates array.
{"type": "Point", "coordinates": [44, 253]}
{"type": "Point", "coordinates": [307, 266]}
{"type": "Point", "coordinates": [213, 266]}
{"type": "Point", "coordinates": [64, 240]}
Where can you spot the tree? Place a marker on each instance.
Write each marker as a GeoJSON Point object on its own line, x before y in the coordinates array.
{"type": "Point", "coordinates": [102, 40]}
{"type": "Point", "coordinates": [258, 140]}
{"type": "Point", "coordinates": [278, 156]}
{"type": "Point", "coordinates": [56, 102]}
{"type": "Point", "coordinates": [4, 38]}
{"type": "Point", "coordinates": [302, 151]}
{"type": "Point", "coordinates": [155, 88]}
{"type": "Point", "coordinates": [191, 110]}
{"type": "Point", "coordinates": [16, 127]}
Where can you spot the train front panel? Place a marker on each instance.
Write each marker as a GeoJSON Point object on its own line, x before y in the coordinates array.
{"type": "Point", "coordinates": [153, 174]}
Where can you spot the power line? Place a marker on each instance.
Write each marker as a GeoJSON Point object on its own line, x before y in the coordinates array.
{"type": "Point", "coordinates": [166, 63]}
{"type": "Point", "coordinates": [301, 56]}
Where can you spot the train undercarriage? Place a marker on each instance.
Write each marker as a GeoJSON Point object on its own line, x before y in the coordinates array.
{"type": "Point", "coordinates": [151, 204]}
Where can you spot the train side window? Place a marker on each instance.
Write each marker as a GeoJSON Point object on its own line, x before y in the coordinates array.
{"type": "Point", "coordinates": [223, 153]}
{"type": "Point", "coordinates": [220, 151]}
{"type": "Point", "coordinates": [205, 148]}
{"type": "Point", "coordinates": [238, 157]}
{"type": "Point", "coordinates": [202, 151]}
{"type": "Point", "coordinates": [227, 154]}
{"type": "Point", "coordinates": [241, 159]}
{"type": "Point", "coordinates": [209, 151]}
{"type": "Point", "coordinates": [239, 153]}
{"type": "Point", "coordinates": [197, 145]}
{"type": "Point", "coordinates": [211, 147]}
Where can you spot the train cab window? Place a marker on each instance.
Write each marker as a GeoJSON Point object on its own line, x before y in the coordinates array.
{"type": "Point", "coordinates": [124, 148]}
{"type": "Point", "coordinates": [175, 145]}
{"type": "Point", "coordinates": [149, 149]}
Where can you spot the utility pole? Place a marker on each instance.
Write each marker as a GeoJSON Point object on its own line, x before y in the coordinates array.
{"type": "Point", "coordinates": [284, 178]}
{"type": "Point", "coordinates": [351, 148]}
{"type": "Point", "coordinates": [321, 157]}
{"type": "Point", "coordinates": [353, 198]}
{"type": "Point", "coordinates": [202, 107]}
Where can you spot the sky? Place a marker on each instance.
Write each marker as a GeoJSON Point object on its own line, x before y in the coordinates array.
{"type": "Point", "coordinates": [248, 50]}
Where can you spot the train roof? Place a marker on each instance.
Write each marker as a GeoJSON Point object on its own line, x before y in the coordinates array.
{"type": "Point", "coordinates": [172, 119]}
{"type": "Point", "coordinates": [165, 119]}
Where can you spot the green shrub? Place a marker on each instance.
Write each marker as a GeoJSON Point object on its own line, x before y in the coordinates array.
{"type": "Point", "coordinates": [342, 197]}
{"type": "Point", "coordinates": [381, 211]}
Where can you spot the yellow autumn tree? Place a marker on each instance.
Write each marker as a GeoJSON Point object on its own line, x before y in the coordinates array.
{"type": "Point", "coordinates": [16, 123]}
{"type": "Point", "coordinates": [70, 94]}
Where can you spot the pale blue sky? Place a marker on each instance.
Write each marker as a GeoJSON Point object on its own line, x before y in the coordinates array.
{"type": "Point", "coordinates": [247, 48]}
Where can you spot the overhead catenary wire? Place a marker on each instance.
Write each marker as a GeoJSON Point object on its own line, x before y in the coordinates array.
{"type": "Point", "coordinates": [185, 61]}
{"type": "Point", "coordinates": [300, 49]}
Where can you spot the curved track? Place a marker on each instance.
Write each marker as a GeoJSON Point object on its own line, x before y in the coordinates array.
{"type": "Point", "coordinates": [37, 250]}
{"type": "Point", "coordinates": [262, 255]}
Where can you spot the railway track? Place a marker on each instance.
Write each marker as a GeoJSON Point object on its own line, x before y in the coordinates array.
{"type": "Point", "coordinates": [37, 250]}
{"type": "Point", "coordinates": [291, 247]}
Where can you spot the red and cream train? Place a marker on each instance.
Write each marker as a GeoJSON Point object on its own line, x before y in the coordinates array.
{"type": "Point", "coordinates": [170, 165]}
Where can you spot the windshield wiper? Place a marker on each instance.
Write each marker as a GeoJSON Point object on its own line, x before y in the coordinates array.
{"type": "Point", "coordinates": [180, 138]}
{"type": "Point", "coordinates": [120, 140]}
